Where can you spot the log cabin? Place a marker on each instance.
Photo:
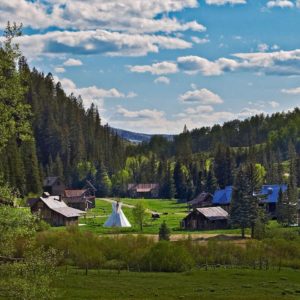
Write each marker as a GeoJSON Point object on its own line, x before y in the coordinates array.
{"type": "Point", "coordinates": [143, 190]}
{"type": "Point", "coordinates": [206, 218]}
{"type": "Point", "coordinates": [54, 211]}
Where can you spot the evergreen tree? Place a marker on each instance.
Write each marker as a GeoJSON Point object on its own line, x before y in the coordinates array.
{"type": "Point", "coordinates": [292, 186]}
{"type": "Point", "coordinates": [164, 232]}
{"type": "Point", "coordinates": [282, 208]}
{"type": "Point", "coordinates": [211, 182]}
{"type": "Point", "coordinates": [180, 181]}
{"type": "Point", "coordinates": [244, 206]}
{"type": "Point", "coordinates": [103, 182]}
{"type": "Point", "coordinates": [168, 188]}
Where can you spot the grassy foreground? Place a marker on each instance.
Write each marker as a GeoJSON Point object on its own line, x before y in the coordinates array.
{"type": "Point", "coordinates": [212, 284]}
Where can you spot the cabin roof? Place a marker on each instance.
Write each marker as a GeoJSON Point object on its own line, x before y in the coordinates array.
{"type": "Point", "coordinates": [143, 187]}
{"type": "Point", "coordinates": [202, 197]}
{"type": "Point", "coordinates": [54, 203]}
{"type": "Point", "coordinates": [270, 192]}
{"type": "Point", "coordinates": [223, 197]}
{"type": "Point", "coordinates": [213, 213]}
{"type": "Point", "coordinates": [74, 193]}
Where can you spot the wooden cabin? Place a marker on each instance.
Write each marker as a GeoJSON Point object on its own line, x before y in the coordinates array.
{"type": "Point", "coordinates": [79, 199]}
{"type": "Point", "coordinates": [53, 186]}
{"type": "Point", "coordinates": [202, 200]}
{"type": "Point", "coordinates": [143, 190]}
{"type": "Point", "coordinates": [206, 218]}
{"type": "Point", "coordinates": [54, 211]}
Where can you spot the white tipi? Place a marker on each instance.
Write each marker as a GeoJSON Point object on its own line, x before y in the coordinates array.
{"type": "Point", "coordinates": [117, 217]}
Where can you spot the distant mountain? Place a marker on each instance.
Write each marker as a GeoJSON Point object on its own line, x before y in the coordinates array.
{"type": "Point", "coordinates": [137, 138]}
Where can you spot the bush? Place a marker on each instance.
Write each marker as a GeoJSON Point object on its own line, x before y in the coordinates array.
{"type": "Point", "coordinates": [168, 257]}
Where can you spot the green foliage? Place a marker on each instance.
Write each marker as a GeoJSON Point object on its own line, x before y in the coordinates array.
{"type": "Point", "coordinates": [14, 113]}
{"type": "Point", "coordinates": [32, 277]}
{"type": "Point", "coordinates": [139, 214]}
{"type": "Point", "coordinates": [245, 206]}
{"type": "Point", "coordinates": [103, 182]}
{"type": "Point", "coordinates": [164, 232]}
{"type": "Point", "coordinates": [168, 257]}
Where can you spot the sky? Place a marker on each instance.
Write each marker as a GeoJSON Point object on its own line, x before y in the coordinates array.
{"type": "Point", "coordinates": [153, 66]}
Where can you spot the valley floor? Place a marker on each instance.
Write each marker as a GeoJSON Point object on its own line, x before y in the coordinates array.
{"type": "Point", "coordinates": [231, 284]}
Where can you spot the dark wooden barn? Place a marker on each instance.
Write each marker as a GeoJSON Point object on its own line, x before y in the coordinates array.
{"type": "Point", "coordinates": [143, 190]}
{"type": "Point", "coordinates": [206, 218]}
{"type": "Point", "coordinates": [55, 211]}
{"type": "Point", "coordinates": [79, 199]}
{"type": "Point", "coordinates": [53, 186]}
{"type": "Point", "coordinates": [202, 200]}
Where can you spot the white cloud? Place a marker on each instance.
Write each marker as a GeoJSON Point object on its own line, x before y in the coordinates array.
{"type": "Point", "coordinates": [135, 16]}
{"type": "Point", "coordinates": [156, 69]}
{"type": "Point", "coordinates": [140, 114]}
{"type": "Point", "coordinates": [195, 64]}
{"type": "Point", "coordinates": [223, 2]}
{"type": "Point", "coordinates": [280, 3]}
{"type": "Point", "coordinates": [249, 112]}
{"type": "Point", "coordinates": [275, 63]}
{"type": "Point", "coordinates": [273, 104]}
{"type": "Point", "coordinates": [203, 96]}
{"type": "Point", "coordinates": [91, 94]}
{"type": "Point", "coordinates": [262, 47]}
{"type": "Point", "coordinates": [162, 79]}
{"type": "Point", "coordinates": [72, 62]}
{"type": "Point", "coordinates": [97, 42]}
{"type": "Point", "coordinates": [275, 47]}
{"type": "Point", "coordinates": [199, 109]}
{"type": "Point", "coordinates": [294, 91]}
{"type": "Point", "coordinates": [59, 70]}
{"type": "Point", "coordinates": [198, 40]}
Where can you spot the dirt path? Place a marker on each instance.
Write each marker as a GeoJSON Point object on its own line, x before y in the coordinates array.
{"type": "Point", "coordinates": [201, 237]}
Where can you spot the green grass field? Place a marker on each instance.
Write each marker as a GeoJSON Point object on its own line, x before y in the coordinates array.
{"type": "Point", "coordinates": [231, 284]}
{"type": "Point", "coordinates": [175, 212]}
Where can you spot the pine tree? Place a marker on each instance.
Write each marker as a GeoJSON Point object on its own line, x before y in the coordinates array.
{"type": "Point", "coordinates": [103, 182]}
{"type": "Point", "coordinates": [282, 208]}
{"type": "Point", "coordinates": [164, 232]}
{"type": "Point", "coordinates": [31, 168]}
{"type": "Point", "coordinates": [292, 186]}
{"type": "Point", "coordinates": [180, 181]}
{"type": "Point", "coordinates": [244, 206]}
{"type": "Point", "coordinates": [168, 188]}
{"type": "Point", "coordinates": [210, 182]}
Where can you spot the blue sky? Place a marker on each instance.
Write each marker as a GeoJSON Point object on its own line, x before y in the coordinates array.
{"type": "Point", "coordinates": [154, 65]}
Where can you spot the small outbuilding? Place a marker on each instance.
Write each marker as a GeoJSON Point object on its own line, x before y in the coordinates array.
{"type": "Point", "coordinates": [202, 200]}
{"type": "Point", "coordinates": [53, 185]}
{"type": "Point", "coordinates": [206, 218]}
{"type": "Point", "coordinates": [79, 199]}
{"type": "Point", "coordinates": [143, 190]}
{"type": "Point", "coordinates": [54, 211]}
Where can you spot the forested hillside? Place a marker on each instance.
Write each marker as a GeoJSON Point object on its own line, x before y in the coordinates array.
{"type": "Point", "coordinates": [54, 135]}
{"type": "Point", "coordinates": [69, 141]}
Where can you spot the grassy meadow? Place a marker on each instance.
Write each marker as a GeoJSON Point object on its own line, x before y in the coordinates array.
{"type": "Point", "coordinates": [231, 284]}
{"type": "Point", "coordinates": [171, 211]}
